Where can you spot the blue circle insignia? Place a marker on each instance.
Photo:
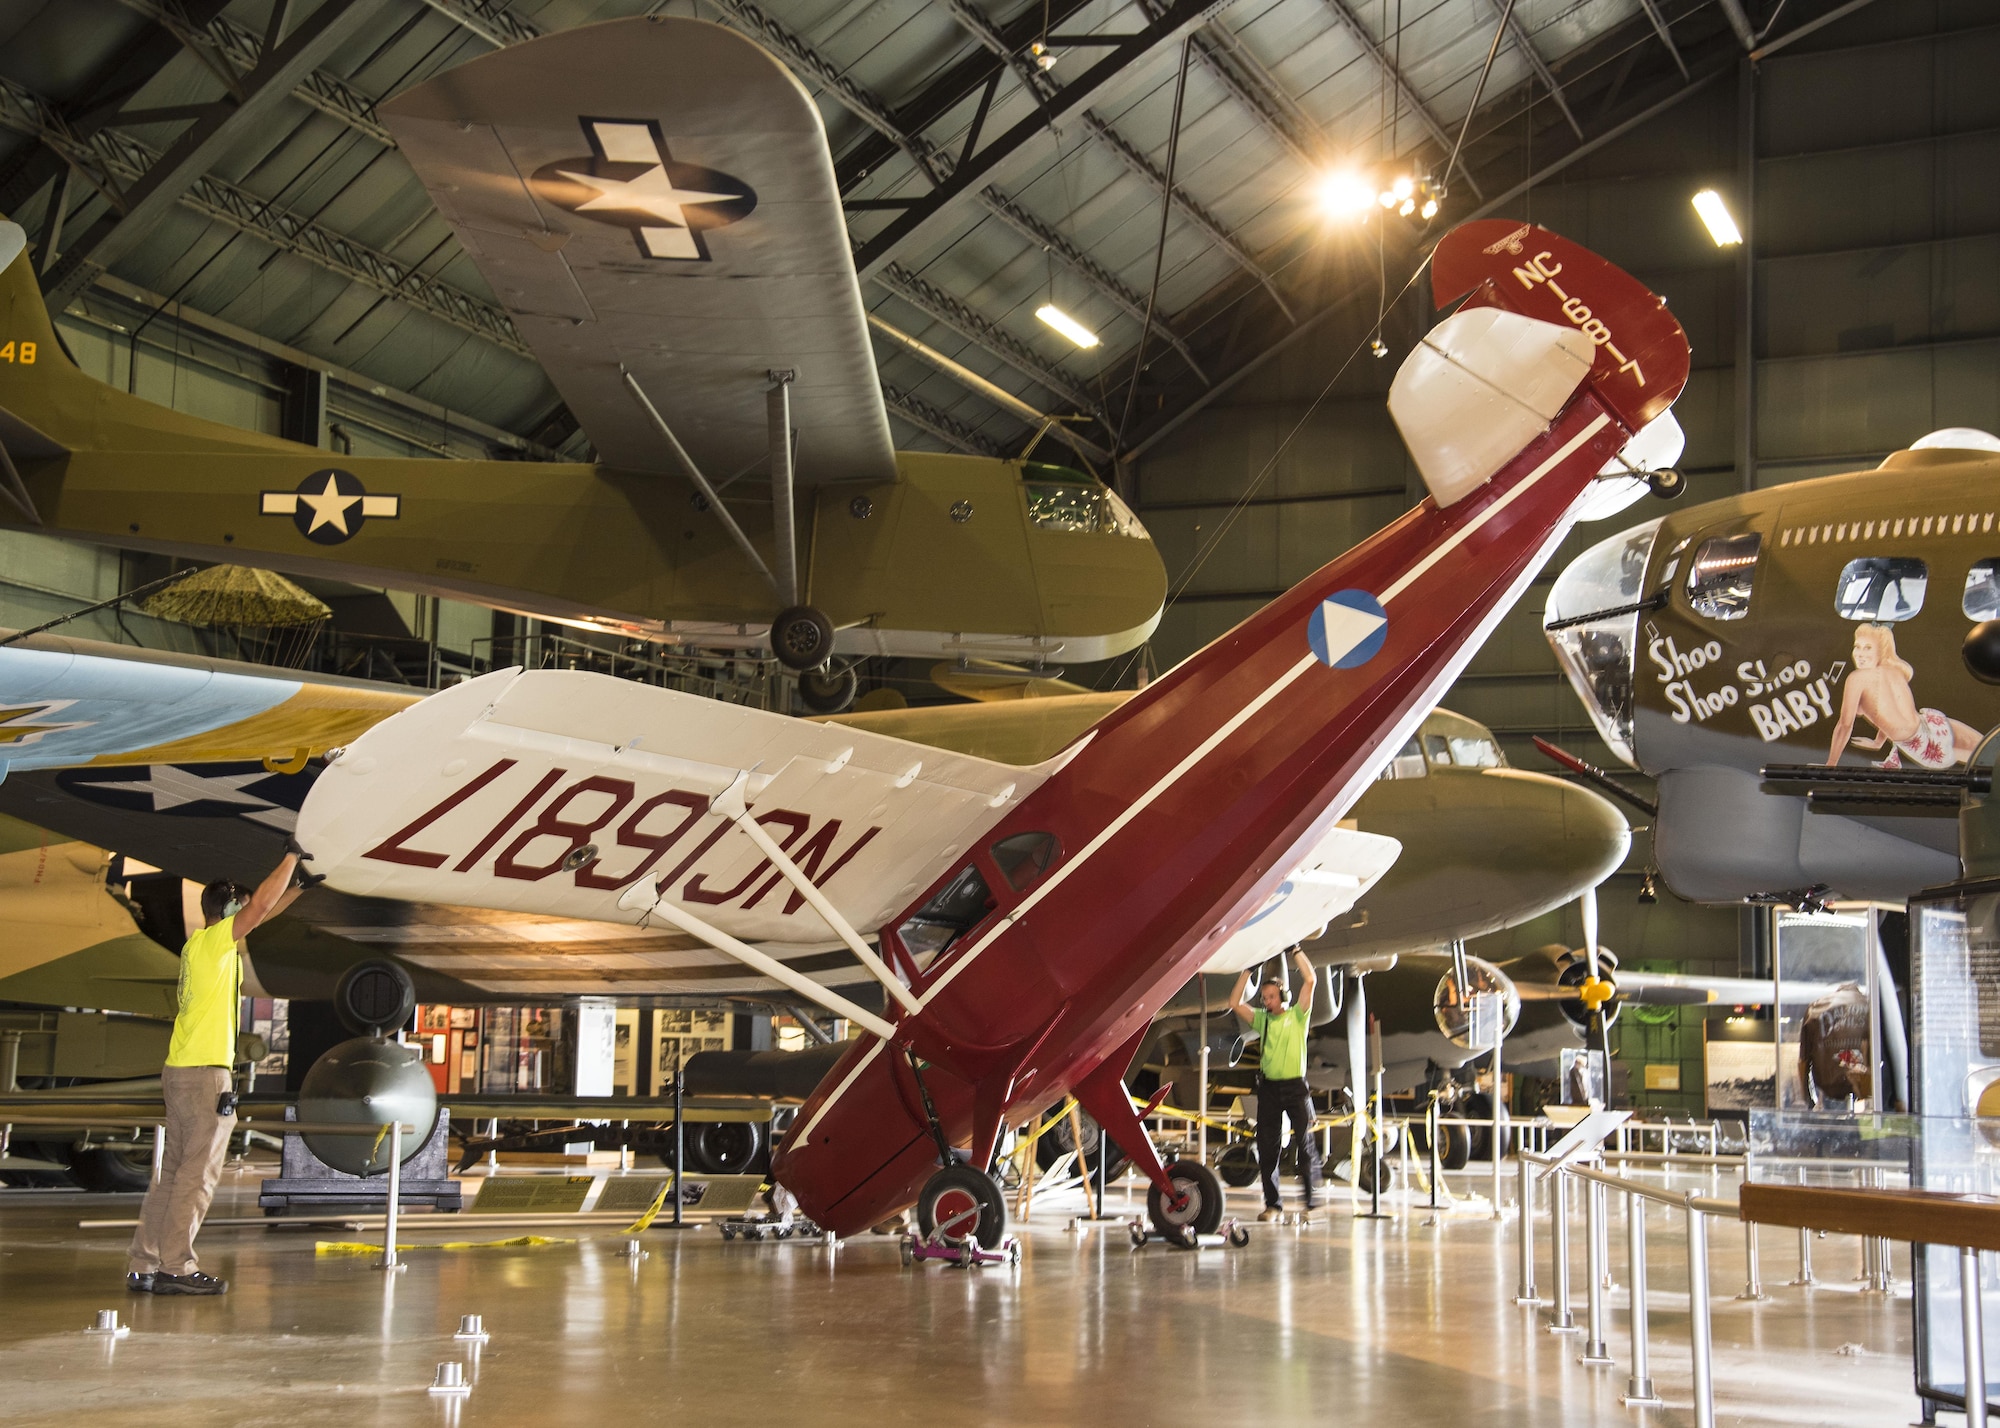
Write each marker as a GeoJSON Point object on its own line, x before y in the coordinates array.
{"type": "Point", "coordinates": [1348, 629]}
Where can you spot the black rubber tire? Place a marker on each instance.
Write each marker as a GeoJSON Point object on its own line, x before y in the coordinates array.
{"type": "Point", "coordinates": [1667, 483]}
{"type": "Point", "coordinates": [1239, 1236]}
{"type": "Point", "coordinates": [1454, 1148]}
{"type": "Point", "coordinates": [802, 637]}
{"type": "Point", "coordinates": [1238, 1165]}
{"type": "Point", "coordinates": [1479, 1107]}
{"type": "Point", "coordinates": [1202, 1214]}
{"type": "Point", "coordinates": [962, 1196]}
{"type": "Point", "coordinates": [1056, 1139]}
{"type": "Point", "coordinates": [828, 691]}
{"type": "Point", "coordinates": [107, 1170]}
{"type": "Point", "coordinates": [1364, 1170]}
{"type": "Point", "coordinates": [723, 1147]}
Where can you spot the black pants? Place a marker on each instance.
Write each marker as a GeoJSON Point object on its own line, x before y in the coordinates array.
{"type": "Point", "coordinates": [1278, 1101]}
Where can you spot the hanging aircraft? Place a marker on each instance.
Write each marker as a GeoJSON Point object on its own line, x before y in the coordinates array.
{"type": "Point", "coordinates": [1795, 626]}
{"type": "Point", "coordinates": [1033, 920]}
{"type": "Point", "coordinates": [653, 202]}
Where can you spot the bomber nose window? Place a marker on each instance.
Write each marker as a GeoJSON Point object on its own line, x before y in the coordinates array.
{"type": "Point", "coordinates": [1882, 588]}
{"type": "Point", "coordinates": [1474, 753]}
{"type": "Point", "coordinates": [1023, 858]}
{"type": "Point", "coordinates": [959, 908]}
{"type": "Point", "coordinates": [1718, 584]}
{"type": "Point", "coordinates": [1982, 590]}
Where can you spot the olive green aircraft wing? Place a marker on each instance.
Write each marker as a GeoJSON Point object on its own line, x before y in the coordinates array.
{"type": "Point", "coordinates": [654, 203]}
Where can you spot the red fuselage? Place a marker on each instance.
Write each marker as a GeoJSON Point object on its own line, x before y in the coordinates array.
{"type": "Point", "coordinates": [1175, 818]}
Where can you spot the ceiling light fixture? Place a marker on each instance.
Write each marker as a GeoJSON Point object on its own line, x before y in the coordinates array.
{"type": "Point", "coordinates": [1343, 194]}
{"type": "Point", "coordinates": [1721, 227]}
{"type": "Point", "coordinates": [1068, 326]}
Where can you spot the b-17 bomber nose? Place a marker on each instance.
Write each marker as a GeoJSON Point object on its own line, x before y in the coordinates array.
{"type": "Point", "coordinates": [1592, 622]}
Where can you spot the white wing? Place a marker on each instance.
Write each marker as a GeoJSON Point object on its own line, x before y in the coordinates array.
{"type": "Point", "coordinates": [549, 792]}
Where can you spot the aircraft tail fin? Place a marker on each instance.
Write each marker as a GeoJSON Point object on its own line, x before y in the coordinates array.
{"type": "Point", "coordinates": [1542, 319]}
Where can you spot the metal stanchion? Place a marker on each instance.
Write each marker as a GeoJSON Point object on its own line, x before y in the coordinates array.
{"type": "Point", "coordinates": [1639, 1387]}
{"type": "Point", "coordinates": [1698, 1335]}
{"type": "Point", "coordinates": [389, 1260]}
{"type": "Point", "coordinates": [1524, 1291]}
{"type": "Point", "coordinates": [1431, 1117]}
{"type": "Point", "coordinates": [1972, 1317]}
{"type": "Point", "coordinates": [1595, 1351]}
{"type": "Point", "coordinates": [1201, 1123]}
{"type": "Point", "coordinates": [1753, 1287]}
{"type": "Point", "coordinates": [1564, 1322]}
{"type": "Point", "coordinates": [1805, 1279]}
{"type": "Point", "coordinates": [680, 1145]}
{"type": "Point", "coordinates": [159, 1152]}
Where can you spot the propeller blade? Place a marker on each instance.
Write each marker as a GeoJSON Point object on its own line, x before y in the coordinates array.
{"type": "Point", "coordinates": [1587, 902]}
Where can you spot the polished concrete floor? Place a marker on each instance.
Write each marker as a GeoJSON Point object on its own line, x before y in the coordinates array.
{"type": "Point", "coordinates": [1347, 1321]}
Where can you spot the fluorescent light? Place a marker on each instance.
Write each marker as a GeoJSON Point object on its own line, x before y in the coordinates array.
{"type": "Point", "coordinates": [1721, 227]}
{"type": "Point", "coordinates": [1343, 194]}
{"type": "Point", "coordinates": [1065, 324]}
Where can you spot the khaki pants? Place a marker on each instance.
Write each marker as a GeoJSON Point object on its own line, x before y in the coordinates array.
{"type": "Point", "coordinates": [197, 1139]}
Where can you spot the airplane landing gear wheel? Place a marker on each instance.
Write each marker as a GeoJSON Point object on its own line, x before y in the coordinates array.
{"type": "Point", "coordinates": [802, 638]}
{"type": "Point", "coordinates": [1201, 1214]}
{"type": "Point", "coordinates": [960, 1204]}
{"type": "Point", "coordinates": [1667, 483]}
{"type": "Point", "coordinates": [1238, 1165]}
{"type": "Point", "coordinates": [829, 690]}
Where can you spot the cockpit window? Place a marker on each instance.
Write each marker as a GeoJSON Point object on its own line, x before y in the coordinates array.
{"type": "Point", "coordinates": [1437, 748]}
{"type": "Point", "coordinates": [1881, 588]}
{"type": "Point", "coordinates": [1475, 753]}
{"type": "Point", "coordinates": [1982, 590]}
{"type": "Point", "coordinates": [960, 907]}
{"type": "Point", "coordinates": [1024, 857]}
{"type": "Point", "coordinates": [1408, 764]}
{"type": "Point", "coordinates": [1062, 499]}
{"type": "Point", "coordinates": [1719, 580]}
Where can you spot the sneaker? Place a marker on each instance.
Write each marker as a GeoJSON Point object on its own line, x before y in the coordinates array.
{"type": "Point", "coordinates": [1272, 1212]}
{"type": "Point", "coordinates": [1306, 1215]}
{"type": "Point", "coordinates": [196, 1283]}
{"type": "Point", "coordinates": [139, 1283]}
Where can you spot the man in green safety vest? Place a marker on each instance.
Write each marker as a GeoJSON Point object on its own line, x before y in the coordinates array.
{"type": "Point", "coordinates": [195, 1084]}
{"type": "Point", "coordinates": [1282, 1093]}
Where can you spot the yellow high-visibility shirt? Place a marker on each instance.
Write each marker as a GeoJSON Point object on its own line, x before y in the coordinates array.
{"type": "Point", "coordinates": [211, 982]}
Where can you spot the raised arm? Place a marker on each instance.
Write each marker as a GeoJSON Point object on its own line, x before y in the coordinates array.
{"type": "Point", "coordinates": [271, 897]}
{"type": "Point", "coordinates": [1243, 1013]}
{"type": "Point", "coordinates": [1308, 980]}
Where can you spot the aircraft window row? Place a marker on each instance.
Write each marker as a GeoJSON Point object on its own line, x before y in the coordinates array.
{"type": "Point", "coordinates": [1881, 588]}
{"type": "Point", "coordinates": [1982, 590]}
{"type": "Point", "coordinates": [1891, 528]}
{"type": "Point", "coordinates": [961, 906]}
{"type": "Point", "coordinates": [1088, 509]}
{"type": "Point", "coordinates": [1720, 577]}
{"type": "Point", "coordinates": [1024, 857]}
{"type": "Point", "coordinates": [1407, 764]}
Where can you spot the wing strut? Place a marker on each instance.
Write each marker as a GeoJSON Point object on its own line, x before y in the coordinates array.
{"type": "Point", "coordinates": [644, 896]}
{"type": "Point", "coordinates": [730, 804]}
{"type": "Point", "coordinates": [693, 473]}
{"type": "Point", "coordinates": [778, 408]}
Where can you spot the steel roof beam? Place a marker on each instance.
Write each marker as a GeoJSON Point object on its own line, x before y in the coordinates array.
{"type": "Point", "coordinates": [1519, 34]}
{"type": "Point", "coordinates": [1257, 89]}
{"type": "Point", "coordinates": [116, 160]}
{"type": "Point", "coordinates": [149, 195]}
{"type": "Point", "coordinates": [972, 177]}
{"type": "Point", "coordinates": [939, 423]}
{"type": "Point", "coordinates": [240, 46]}
{"type": "Point", "coordinates": [1106, 284]}
{"type": "Point", "coordinates": [1746, 33]}
{"type": "Point", "coordinates": [1038, 83]}
{"type": "Point", "coordinates": [959, 316]}
{"type": "Point", "coordinates": [1415, 101]}
{"type": "Point", "coordinates": [1652, 9]}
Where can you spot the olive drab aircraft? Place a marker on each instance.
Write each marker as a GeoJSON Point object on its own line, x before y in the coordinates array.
{"type": "Point", "coordinates": [653, 202]}
{"type": "Point", "coordinates": [1844, 622]}
{"type": "Point", "coordinates": [1024, 924]}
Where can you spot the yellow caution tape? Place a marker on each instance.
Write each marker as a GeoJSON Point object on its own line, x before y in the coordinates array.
{"type": "Point", "coordinates": [518, 1242]}
{"type": "Point", "coordinates": [645, 1220]}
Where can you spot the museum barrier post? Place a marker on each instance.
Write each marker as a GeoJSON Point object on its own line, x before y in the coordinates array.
{"type": "Point", "coordinates": [1594, 1350]}
{"type": "Point", "coordinates": [1639, 1386]}
{"type": "Point", "coordinates": [1564, 1322]}
{"type": "Point", "coordinates": [1698, 1326]}
{"type": "Point", "coordinates": [1524, 1292]}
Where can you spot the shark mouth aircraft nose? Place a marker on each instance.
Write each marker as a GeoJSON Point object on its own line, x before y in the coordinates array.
{"type": "Point", "coordinates": [1593, 622]}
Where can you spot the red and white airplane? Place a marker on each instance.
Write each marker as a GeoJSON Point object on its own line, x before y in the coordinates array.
{"type": "Point", "coordinates": [1025, 925]}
